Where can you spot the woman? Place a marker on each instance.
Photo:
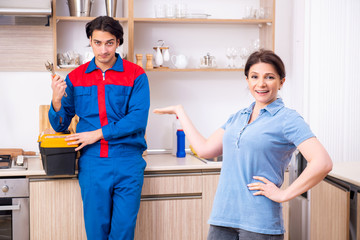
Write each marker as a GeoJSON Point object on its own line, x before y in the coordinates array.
{"type": "Point", "coordinates": [257, 144]}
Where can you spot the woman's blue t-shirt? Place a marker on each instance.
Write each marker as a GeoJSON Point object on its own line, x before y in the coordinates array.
{"type": "Point", "coordinates": [261, 148]}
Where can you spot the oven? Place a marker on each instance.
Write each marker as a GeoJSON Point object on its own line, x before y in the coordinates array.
{"type": "Point", "coordinates": [14, 209]}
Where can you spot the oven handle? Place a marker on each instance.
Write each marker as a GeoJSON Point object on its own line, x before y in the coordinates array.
{"type": "Point", "coordinates": [12, 207]}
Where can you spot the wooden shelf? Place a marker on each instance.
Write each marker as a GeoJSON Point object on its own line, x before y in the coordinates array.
{"type": "Point", "coordinates": [201, 20]}
{"type": "Point", "coordinates": [173, 70]}
{"type": "Point", "coordinates": [265, 27]}
{"type": "Point", "coordinates": [57, 69]}
{"type": "Point", "coordinates": [83, 19]}
{"type": "Point", "coordinates": [196, 70]}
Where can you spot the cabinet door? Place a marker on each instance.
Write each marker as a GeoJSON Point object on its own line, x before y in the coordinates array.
{"type": "Point", "coordinates": [329, 212]}
{"type": "Point", "coordinates": [167, 218]}
{"type": "Point", "coordinates": [286, 207]}
{"type": "Point", "coordinates": [210, 183]}
{"type": "Point", "coordinates": [172, 184]}
{"type": "Point", "coordinates": [25, 55]}
{"type": "Point", "coordinates": [170, 207]}
{"type": "Point", "coordinates": [56, 210]}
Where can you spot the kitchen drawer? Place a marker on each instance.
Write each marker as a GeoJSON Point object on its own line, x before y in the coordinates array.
{"type": "Point", "coordinates": [175, 219]}
{"type": "Point", "coordinates": [178, 183]}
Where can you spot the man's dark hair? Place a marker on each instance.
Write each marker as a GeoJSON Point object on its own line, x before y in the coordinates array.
{"type": "Point", "coordinates": [106, 24]}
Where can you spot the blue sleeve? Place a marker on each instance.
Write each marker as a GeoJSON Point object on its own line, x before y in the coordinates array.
{"type": "Point", "coordinates": [227, 122]}
{"type": "Point", "coordinates": [296, 130]}
{"type": "Point", "coordinates": [61, 120]}
{"type": "Point", "coordinates": [138, 111]}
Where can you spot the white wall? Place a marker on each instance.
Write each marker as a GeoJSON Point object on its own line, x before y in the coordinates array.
{"type": "Point", "coordinates": [21, 93]}
{"type": "Point", "coordinates": [209, 98]}
{"type": "Point", "coordinates": [332, 73]}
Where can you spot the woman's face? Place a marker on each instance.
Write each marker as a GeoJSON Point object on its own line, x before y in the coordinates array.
{"type": "Point", "coordinates": [264, 83]}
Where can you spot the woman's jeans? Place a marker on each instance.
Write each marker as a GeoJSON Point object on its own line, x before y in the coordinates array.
{"type": "Point", "coordinates": [227, 233]}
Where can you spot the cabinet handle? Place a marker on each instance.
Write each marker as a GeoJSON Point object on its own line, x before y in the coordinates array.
{"type": "Point", "coordinates": [11, 207]}
{"type": "Point", "coordinates": [211, 173]}
{"type": "Point", "coordinates": [158, 198]}
{"type": "Point", "coordinates": [173, 174]}
{"type": "Point", "coordinates": [337, 183]}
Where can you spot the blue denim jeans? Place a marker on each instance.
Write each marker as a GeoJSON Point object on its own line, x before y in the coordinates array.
{"type": "Point", "coordinates": [227, 233]}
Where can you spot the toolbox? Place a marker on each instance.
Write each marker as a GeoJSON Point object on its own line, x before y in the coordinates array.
{"type": "Point", "coordinates": [58, 158]}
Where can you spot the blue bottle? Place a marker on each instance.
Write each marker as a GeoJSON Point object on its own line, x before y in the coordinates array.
{"type": "Point", "coordinates": [180, 153]}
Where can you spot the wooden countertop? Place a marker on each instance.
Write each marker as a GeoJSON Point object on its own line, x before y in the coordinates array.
{"type": "Point", "coordinates": [155, 162]}
{"type": "Point", "coordinates": [35, 168]}
{"type": "Point", "coordinates": [347, 171]}
{"type": "Point", "coordinates": [165, 162]}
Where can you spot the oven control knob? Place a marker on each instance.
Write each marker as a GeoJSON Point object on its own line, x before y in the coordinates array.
{"type": "Point", "coordinates": [5, 188]}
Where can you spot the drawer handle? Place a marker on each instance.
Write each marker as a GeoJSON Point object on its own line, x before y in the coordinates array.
{"type": "Point", "coordinates": [157, 198]}
{"type": "Point", "coordinates": [172, 174]}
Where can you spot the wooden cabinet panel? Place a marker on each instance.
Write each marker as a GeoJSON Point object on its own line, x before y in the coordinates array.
{"type": "Point", "coordinates": [329, 212]}
{"type": "Point", "coordinates": [172, 184]}
{"type": "Point", "coordinates": [56, 210]}
{"type": "Point", "coordinates": [176, 219]}
{"type": "Point", "coordinates": [286, 207]}
{"type": "Point", "coordinates": [210, 183]}
{"type": "Point", "coordinates": [174, 206]}
{"type": "Point", "coordinates": [25, 48]}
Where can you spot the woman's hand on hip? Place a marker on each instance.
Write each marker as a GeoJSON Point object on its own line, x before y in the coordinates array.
{"type": "Point", "coordinates": [267, 189]}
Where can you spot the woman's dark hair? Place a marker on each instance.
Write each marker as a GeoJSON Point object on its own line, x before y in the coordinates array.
{"type": "Point", "coordinates": [106, 24]}
{"type": "Point", "coordinates": [265, 56]}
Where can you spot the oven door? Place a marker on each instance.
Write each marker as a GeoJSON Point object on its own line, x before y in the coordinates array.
{"type": "Point", "coordinates": [14, 219]}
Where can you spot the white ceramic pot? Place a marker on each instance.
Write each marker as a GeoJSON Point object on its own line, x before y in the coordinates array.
{"type": "Point", "coordinates": [158, 57]}
{"type": "Point", "coordinates": [179, 61]}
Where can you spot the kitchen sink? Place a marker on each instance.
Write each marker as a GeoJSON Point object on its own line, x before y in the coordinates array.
{"type": "Point", "coordinates": [211, 160]}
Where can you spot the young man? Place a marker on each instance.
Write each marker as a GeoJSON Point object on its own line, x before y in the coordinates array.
{"type": "Point", "coordinates": [111, 97]}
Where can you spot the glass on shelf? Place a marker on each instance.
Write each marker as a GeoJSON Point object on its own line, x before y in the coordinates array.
{"type": "Point", "coordinates": [251, 12]}
{"type": "Point", "coordinates": [244, 53]}
{"type": "Point", "coordinates": [231, 54]}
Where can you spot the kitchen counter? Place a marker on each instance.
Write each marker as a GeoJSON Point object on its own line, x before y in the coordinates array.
{"type": "Point", "coordinates": [347, 171]}
{"type": "Point", "coordinates": [35, 168]}
{"type": "Point", "coordinates": [155, 162]}
{"type": "Point", "coordinates": [166, 162]}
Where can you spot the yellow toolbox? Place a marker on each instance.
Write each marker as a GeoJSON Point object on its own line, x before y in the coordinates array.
{"type": "Point", "coordinates": [57, 156]}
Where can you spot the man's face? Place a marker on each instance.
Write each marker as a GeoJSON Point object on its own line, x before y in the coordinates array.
{"type": "Point", "coordinates": [104, 45]}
